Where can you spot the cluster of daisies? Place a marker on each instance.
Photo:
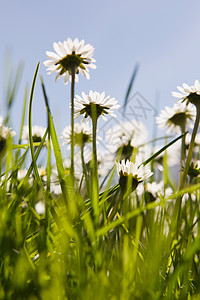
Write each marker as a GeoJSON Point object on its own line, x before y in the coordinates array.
{"type": "Point", "coordinates": [77, 54]}
{"type": "Point", "coordinates": [127, 147]}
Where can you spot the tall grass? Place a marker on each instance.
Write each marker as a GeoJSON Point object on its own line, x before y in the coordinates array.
{"type": "Point", "coordinates": [134, 250]}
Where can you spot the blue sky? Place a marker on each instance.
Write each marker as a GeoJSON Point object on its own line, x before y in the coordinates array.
{"type": "Point", "coordinates": [164, 36]}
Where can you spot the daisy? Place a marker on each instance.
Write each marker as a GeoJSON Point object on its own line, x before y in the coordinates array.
{"type": "Point", "coordinates": [176, 118]}
{"type": "Point", "coordinates": [194, 169]}
{"type": "Point", "coordinates": [40, 208]}
{"type": "Point", "coordinates": [55, 187]}
{"type": "Point", "coordinates": [70, 55]}
{"type": "Point", "coordinates": [127, 170]}
{"type": "Point", "coordinates": [37, 133]}
{"type": "Point", "coordinates": [125, 137]}
{"type": "Point", "coordinates": [78, 170]}
{"type": "Point", "coordinates": [21, 174]}
{"type": "Point", "coordinates": [196, 142]}
{"type": "Point", "coordinates": [157, 189]}
{"type": "Point", "coordinates": [95, 104]}
{"type": "Point", "coordinates": [190, 93]}
{"type": "Point", "coordinates": [5, 133]}
{"type": "Point", "coordinates": [82, 134]}
{"type": "Point", "coordinates": [105, 161]}
{"type": "Point", "coordinates": [41, 172]}
{"type": "Point", "coordinates": [152, 191]}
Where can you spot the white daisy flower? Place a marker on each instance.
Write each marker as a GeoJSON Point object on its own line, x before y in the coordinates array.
{"type": "Point", "coordinates": [41, 172]}
{"type": "Point", "coordinates": [21, 174]}
{"type": "Point", "coordinates": [137, 173]}
{"type": "Point", "coordinates": [153, 190]}
{"type": "Point", "coordinates": [82, 134]}
{"type": "Point", "coordinates": [37, 134]}
{"type": "Point", "coordinates": [78, 170]}
{"type": "Point", "coordinates": [95, 103]}
{"type": "Point", "coordinates": [105, 160]}
{"type": "Point", "coordinates": [5, 180]}
{"type": "Point", "coordinates": [194, 169]}
{"type": "Point", "coordinates": [70, 54]}
{"type": "Point", "coordinates": [196, 143]}
{"type": "Point", "coordinates": [126, 168]}
{"type": "Point", "coordinates": [157, 189]}
{"type": "Point", "coordinates": [55, 187]}
{"type": "Point", "coordinates": [191, 196]}
{"type": "Point", "coordinates": [5, 133]}
{"type": "Point", "coordinates": [190, 93]}
{"type": "Point", "coordinates": [125, 137]}
{"type": "Point", "coordinates": [40, 208]}
{"type": "Point", "coordinates": [177, 117]}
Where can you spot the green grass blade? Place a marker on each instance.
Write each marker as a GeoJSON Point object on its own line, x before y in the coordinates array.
{"type": "Point", "coordinates": [23, 114]}
{"type": "Point", "coordinates": [12, 90]}
{"type": "Point", "coordinates": [56, 148]}
{"type": "Point", "coordinates": [39, 181]}
{"type": "Point", "coordinates": [163, 149]}
{"type": "Point", "coordinates": [130, 86]}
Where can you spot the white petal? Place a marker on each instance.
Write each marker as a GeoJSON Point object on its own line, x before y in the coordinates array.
{"type": "Point", "coordinates": [66, 78]}
{"type": "Point", "coordinates": [48, 63]}
{"type": "Point", "coordinates": [197, 85]}
{"type": "Point", "coordinates": [62, 49]}
{"type": "Point", "coordinates": [177, 95]}
{"type": "Point", "coordinates": [52, 55]}
{"type": "Point", "coordinates": [92, 66]}
{"type": "Point", "coordinates": [57, 49]}
{"type": "Point", "coordinates": [57, 77]}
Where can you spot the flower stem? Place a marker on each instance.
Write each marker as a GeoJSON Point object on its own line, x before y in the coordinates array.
{"type": "Point", "coordinates": [177, 210]}
{"type": "Point", "coordinates": [95, 176]}
{"type": "Point", "coordinates": [85, 170]}
{"type": "Point", "coordinates": [189, 157]}
{"type": "Point", "coordinates": [182, 150]}
{"type": "Point", "coordinates": [115, 207]}
{"type": "Point", "coordinates": [73, 72]}
{"type": "Point", "coordinates": [183, 144]}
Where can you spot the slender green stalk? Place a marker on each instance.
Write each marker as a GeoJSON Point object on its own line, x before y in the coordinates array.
{"type": "Point", "coordinates": [47, 209]}
{"type": "Point", "coordinates": [95, 176]}
{"type": "Point", "coordinates": [182, 150]}
{"type": "Point", "coordinates": [94, 147]}
{"type": "Point", "coordinates": [85, 170]}
{"type": "Point", "coordinates": [177, 211]}
{"type": "Point", "coordinates": [183, 144]}
{"type": "Point", "coordinates": [189, 157]}
{"type": "Point", "coordinates": [115, 207]}
{"type": "Point", "coordinates": [73, 72]}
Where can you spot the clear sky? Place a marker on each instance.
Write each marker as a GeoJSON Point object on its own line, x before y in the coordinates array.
{"type": "Point", "coordinates": [164, 36]}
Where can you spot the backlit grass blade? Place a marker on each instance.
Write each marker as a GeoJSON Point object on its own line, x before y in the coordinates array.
{"type": "Point", "coordinates": [14, 202]}
{"type": "Point", "coordinates": [23, 114]}
{"type": "Point", "coordinates": [130, 86]}
{"type": "Point", "coordinates": [30, 133]}
{"type": "Point", "coordinates": [12, 89]}
{"type": "Point", "coordinates": [56, 148]}
{"type": "Point", "coordinates": [163, 149]}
